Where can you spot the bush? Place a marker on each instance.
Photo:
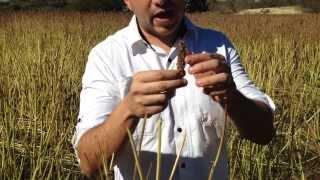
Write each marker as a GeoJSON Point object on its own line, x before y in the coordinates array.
{"type": "Point", "coordinates": [196, 5]}
{"type": "Point", "coordinates": [96, 5]}
{"type": "Point", "coordinates": [312, 4]}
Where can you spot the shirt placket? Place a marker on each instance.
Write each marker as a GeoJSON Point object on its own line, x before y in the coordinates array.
{"type": "Point", "coordinates": [174, 116]}
{"type": "Point", "coordinates": [180, 120]}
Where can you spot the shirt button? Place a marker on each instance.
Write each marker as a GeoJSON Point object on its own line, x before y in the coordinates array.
{"type": "Point", "coordinates": [179, 129]}
{"type": "Point", "coordinates": [183, 165]}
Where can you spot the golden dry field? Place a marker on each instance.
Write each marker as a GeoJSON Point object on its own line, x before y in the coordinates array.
{"type": "Point", "coordinates": [43, 55]}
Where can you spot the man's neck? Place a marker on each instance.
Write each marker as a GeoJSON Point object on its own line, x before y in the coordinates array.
{"type": "Point", "coordinates": [166, 42]}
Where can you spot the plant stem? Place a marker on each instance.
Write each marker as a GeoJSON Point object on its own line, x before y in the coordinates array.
{"type": "Point", "coordinates": [144, 121]}
{"type": "Point", "coordinates": [158, 175]}
{"type": "Point", "coordinates": [216, 160]}
{"type": "Point", "coordinates": [137, 162]}
{"type": "Point", "coordinates": [178, 156]}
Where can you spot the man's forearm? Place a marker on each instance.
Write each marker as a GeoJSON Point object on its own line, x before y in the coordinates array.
{"type": "Point", "coordinates": [100, 142]}
{"type": "Point", "coordinates": [254, 119]}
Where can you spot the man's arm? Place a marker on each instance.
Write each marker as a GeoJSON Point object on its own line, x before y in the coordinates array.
{"type": "Point", "coordinates": [148, 95]}
{"type": "Point", "coordinates": [98, 143]}
{"type": "Point", "coordinates": [254, 119]}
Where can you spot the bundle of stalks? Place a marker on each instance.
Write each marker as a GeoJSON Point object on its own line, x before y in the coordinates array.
{"type": "Point", "coordinates": [137, 152]}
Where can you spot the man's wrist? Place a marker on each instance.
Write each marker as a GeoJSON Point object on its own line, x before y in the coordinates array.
{"type": "Point", "coordinates": [125, 111]}
{"type": "Point", "coordinates": [233, 95]}
{"type": "Point", "coordinates": [234, 99]}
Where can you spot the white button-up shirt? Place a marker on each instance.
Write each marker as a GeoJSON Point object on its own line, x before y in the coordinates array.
{"type": "Point", "coordinates": [110, 67]}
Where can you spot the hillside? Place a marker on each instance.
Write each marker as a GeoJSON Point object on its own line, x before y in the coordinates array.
{"type": "Point", "coordinates": [277, 10]}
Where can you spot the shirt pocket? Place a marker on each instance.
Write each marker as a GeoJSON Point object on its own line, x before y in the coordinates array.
{"type": "Point", "coordinates": [211, 114]}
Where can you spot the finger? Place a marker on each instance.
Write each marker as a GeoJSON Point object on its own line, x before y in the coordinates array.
{"type": "Point", "coordinates": [216, 87]}
{"type": "Point", "coordinates": [163, 86]}
{"type": "Point", "coordinates": [196, 58]}
{"type": "Point", "coordinates": [210, 65]}
{"type": "Point", "coordinates": [158, 75]}
{"type": "Point", "coordinates": [151, 110]}
{"type": "Point", "coordinates": [154, 99]}
{"type": "Point", "coordinates": [217, 56]}
{"type": "Point", "coordinates": [213, 80]}
{"type": "Point", "coordinates": [212, 93]}
{"type": "Point", "coordinates": [229, 84]}
{"type": "Point", "coordinates": [220, 98]}
{"type": "Point", "coordinates": [201, 75]}
{"type": "Point", "coordinates": [216, 98]}
{"type": "Point", "coordinates": [216, 92]}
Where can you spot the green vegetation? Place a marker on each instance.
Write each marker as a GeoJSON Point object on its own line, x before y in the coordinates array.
{"type": "Point", "coordinates": [43, 56]}
{"type": "Point", "coordinates": [221, 6]}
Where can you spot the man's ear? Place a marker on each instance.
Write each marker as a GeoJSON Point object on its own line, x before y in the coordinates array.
{"type": "Point", "coordinates": [128, 3]}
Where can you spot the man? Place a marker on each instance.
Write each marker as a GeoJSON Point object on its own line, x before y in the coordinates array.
{"type": "Point", "coordinates": [132, 74]}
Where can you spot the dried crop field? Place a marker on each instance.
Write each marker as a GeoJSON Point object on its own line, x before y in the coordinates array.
{"type": "Point", "coordinates": [43, 55]}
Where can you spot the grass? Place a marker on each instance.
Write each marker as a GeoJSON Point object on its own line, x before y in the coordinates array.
{"type": "Point", "coordinates": [43, 55]}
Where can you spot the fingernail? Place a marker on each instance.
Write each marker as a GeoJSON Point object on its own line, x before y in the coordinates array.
{"type": "Point", "coordinates": [191, 70]}
{"type": "Point", "coordinates": [186, 59]}
{"type": "Point", "coordinates": [182, 74]}
{"type": "Point", "coordinates": [198, 83]}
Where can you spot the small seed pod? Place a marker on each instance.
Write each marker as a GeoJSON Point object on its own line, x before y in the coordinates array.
{"type": "Point", "coordinates": [181, 57]}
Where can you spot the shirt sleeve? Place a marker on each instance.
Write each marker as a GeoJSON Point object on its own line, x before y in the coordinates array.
{"type": "Point", "coordinates": [241, 78]}
{"type": "Point", "coordinates": [99, 94]}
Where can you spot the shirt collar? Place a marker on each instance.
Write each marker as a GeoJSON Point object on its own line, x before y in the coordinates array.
{"type": "Point", "coordinates": [133, 32]}
{"type": "Point", "coordinates": [136, 40]}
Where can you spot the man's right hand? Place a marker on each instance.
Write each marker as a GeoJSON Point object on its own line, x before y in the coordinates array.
{"type": "Point", "coordinates": [150, 91]}
{"type": "Point", "coordinates": [148, 95]}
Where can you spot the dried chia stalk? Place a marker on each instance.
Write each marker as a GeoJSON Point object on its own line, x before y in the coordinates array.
{"type": "Point", "coordinates": [182, 54]}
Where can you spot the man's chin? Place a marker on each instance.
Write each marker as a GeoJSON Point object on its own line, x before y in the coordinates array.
{"type": "Point", "coordinates": [166, 31]}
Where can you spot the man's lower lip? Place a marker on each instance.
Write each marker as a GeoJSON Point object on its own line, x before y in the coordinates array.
{"type": "Point", "coordinates": [162, 20]}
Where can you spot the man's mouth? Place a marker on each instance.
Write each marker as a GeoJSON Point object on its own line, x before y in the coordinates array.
{"type": "Point", "coordinates": [163, 16]}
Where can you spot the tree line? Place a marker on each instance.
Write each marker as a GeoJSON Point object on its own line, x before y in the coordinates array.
{"type": "Point", "coordinates": [191, 5]}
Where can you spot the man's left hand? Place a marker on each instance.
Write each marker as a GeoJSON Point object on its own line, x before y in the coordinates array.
{"type": "Point", "coordinates": [212, 74]}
